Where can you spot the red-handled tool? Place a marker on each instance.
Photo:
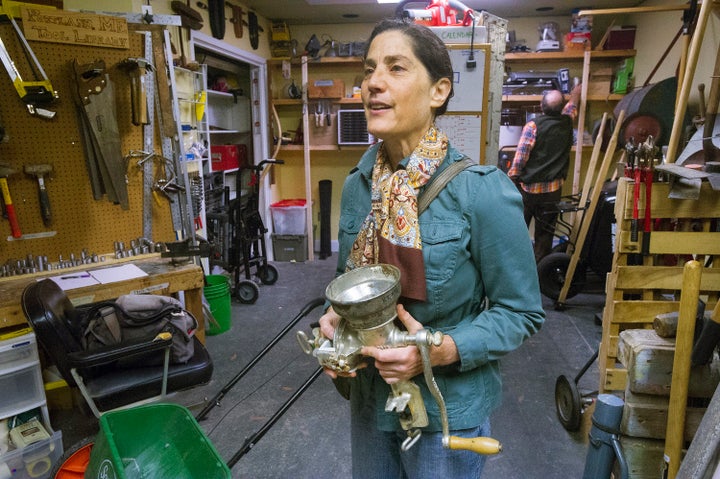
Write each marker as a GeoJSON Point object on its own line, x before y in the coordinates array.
{"type": "Point", "coordinates": [6, 171]}
{"type": "Point", "coordinates": [648, 173]}
{"type": "Point", "coordinates": [637, 177]}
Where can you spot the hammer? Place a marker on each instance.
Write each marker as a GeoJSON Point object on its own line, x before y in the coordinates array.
{"type": "Point", "coordinates": [6, 171]}
{"type": "Point", "coordinates": [137, 68]}
{"type": "Point", "coordinates": [39, 171]}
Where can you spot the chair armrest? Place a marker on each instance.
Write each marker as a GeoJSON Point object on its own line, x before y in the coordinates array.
{"type": "Point", "coordinates": [115, 352]}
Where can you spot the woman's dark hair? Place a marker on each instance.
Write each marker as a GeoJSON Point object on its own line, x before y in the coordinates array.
{"type": "Point", "coordinates": [426, 46]}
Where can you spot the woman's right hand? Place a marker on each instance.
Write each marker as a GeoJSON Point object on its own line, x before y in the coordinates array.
{"type": "Point", "coordinates": [328, 324]}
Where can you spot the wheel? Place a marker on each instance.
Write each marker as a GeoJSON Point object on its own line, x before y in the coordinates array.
{"type": "Point", "coordinates": [551, 274]}
{"type": "Point", "coordinates": [567, 403]}
{"type": "Point", "coordinates": [247, 291]}
{"type": "Point", "coordinates": [268, 274]}
{"type": "Point", "coordinates": [73, 463]}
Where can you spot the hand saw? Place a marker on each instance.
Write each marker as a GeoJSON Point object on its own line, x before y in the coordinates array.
{"type": "Point", "coordinates": [32, 93]}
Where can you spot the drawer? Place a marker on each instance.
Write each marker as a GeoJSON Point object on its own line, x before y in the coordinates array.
{"type": "Point", "coordinates": [17, 351]}
{"type": "Point", "coordinates": [22, 388]}
{"type": "Point", "coordinates": [34, 461]}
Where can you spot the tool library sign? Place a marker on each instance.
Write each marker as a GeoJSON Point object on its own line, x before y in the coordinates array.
{"type": "Point", "coordinates": [59, 26]}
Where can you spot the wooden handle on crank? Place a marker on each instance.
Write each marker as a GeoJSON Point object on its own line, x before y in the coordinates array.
{"type": "Point", "coordinates": [479, 445]}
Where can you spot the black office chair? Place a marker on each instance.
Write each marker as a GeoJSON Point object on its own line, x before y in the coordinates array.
{"type": "Point", "coordinates": [104, 383]}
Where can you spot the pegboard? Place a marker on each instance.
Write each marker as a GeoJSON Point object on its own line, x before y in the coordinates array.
{"type": "Point", "coordinates": [79, 221]}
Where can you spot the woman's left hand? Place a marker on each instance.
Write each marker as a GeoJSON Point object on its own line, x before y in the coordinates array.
{"type": "Point", "coordinates": [398, 364]}
{"type": "Point", "coordinates": [402, 364]}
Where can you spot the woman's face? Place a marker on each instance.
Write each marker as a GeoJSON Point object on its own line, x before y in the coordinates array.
{"type": "Point", "coordinates": [397, 92]}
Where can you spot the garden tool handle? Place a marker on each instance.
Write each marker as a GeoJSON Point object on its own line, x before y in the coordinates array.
{"type": "Point", "coordinates": [479, 445]}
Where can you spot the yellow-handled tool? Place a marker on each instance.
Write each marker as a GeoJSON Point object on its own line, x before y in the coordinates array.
{"type": "Point", "coordinates": [479, 445]}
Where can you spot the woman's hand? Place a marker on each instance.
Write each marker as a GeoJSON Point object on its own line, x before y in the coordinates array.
{"type": "Point", "coordinates": [328, 324]}
{"type": "Point", "coordinates": [402, 364]}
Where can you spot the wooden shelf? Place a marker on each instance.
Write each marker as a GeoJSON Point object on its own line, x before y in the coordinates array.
{"type": "Point", "coordinates": [568, 55]}
{"type": "Point", "coordinates": [338, 101]}
{"type": "Point", "coordinates": [537, 98]}
{"type": "Point", "coordinates": [325, 147]}
{"type": "Point", "coordinates": [319, 61]}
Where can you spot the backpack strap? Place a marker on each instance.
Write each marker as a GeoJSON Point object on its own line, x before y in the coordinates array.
{"type": "Point", "coordinates": [438, 182]}
{"type": "Point", "coordinates": [109, 315]}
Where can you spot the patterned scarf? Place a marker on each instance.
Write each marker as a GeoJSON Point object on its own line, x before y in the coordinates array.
{"type": "Point", "coordinates": [391, 232]}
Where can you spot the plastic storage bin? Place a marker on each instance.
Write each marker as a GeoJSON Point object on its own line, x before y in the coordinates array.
{"type": "Point", "coordinates": [156, 440]}
{"type": "Point", "coordinates": [33, 461]}
{"type": "Point", "coordinates": [290, 247]}
{"type": "Point", "coordinates": [21, 381]}
{"type": "Point", "coordinates": [288, 217]}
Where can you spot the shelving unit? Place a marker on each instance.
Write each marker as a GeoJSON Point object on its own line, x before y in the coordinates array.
{"type": "Point", "coordinates": [295, 114]}
{"type": "Point", "coordinates": [191, 88]}
{"type": "Point", "coordinates": [589, 103]}
{"type": "Point", "coordinates": [30, 452]}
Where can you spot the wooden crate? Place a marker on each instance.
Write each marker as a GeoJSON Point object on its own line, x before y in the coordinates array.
{"type": "Point", "coordinates": [636, 293]}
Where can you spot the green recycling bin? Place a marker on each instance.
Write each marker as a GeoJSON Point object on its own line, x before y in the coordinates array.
{"type": "Point", "coordinates": [154, 440]}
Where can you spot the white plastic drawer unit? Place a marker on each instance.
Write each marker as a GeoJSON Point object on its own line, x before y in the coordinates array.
{"type": "Point", "coordinates": [17, 350]}
{"type": "Point", "coordinates": [21, 380]}
{"type": "Point", "coordinates": [352, 128]}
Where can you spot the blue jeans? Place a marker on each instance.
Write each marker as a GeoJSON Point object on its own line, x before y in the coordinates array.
{"type": "Point", "coordinates": [377, 455]}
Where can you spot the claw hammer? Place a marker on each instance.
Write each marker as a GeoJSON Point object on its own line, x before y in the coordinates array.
{"type": "Point", "coordinates": [39, 172]}
{"type": "Point", "coordinates": [6, 171]}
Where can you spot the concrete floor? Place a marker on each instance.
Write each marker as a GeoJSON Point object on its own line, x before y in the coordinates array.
{"type": "Point", "coordinates": [311, 440]}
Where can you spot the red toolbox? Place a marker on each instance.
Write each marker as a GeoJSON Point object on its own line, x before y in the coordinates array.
{"type": "Point", "coordinates": [228, 157]}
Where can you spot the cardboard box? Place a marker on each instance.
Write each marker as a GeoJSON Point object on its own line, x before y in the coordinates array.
{"type": "Point", "coordinates": [326, 88]}
{"type": "Point", "coordinates": [621, 38]}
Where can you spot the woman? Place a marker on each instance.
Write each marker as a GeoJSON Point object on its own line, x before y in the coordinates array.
{"type": "Point", "coordinates": [467, 265]}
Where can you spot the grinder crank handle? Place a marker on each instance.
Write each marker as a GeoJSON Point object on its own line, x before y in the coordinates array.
{"type": "Point", "coordinates": [478, 445]}
{"type": "Point", "coordinates": [10, 208]}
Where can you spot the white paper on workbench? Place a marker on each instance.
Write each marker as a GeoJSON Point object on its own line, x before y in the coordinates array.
{"type": "Point", "coordinates": [117, 273]}
{"type": "Point", "coordinates": [74, 280]}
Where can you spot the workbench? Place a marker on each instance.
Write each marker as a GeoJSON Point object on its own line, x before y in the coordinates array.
{"type": "Point", "coordinates": [164, 277]}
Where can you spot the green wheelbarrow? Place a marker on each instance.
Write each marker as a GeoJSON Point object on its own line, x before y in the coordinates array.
{"type": "Point", "coordinates": [154, 440]}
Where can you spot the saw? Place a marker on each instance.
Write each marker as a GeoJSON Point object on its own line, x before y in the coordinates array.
{"type": "Point", "coordinates": [32, 93]}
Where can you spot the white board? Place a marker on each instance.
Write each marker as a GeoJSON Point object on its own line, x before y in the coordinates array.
{"type": "Point", "coordinates": [468, 83]}
{"type": "Point", "coordinates": [463, 131]}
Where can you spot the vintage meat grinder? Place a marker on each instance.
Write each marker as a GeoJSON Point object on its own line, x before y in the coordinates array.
{"type": "Point", "coordinates": [366, 300]}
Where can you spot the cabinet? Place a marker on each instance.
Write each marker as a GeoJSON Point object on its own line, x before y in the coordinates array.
{"type": "Point", "coordinates": [28, 445]}
{"type": "Point", "coordinates": [581, 64]}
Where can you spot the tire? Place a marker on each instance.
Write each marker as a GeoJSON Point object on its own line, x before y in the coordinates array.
{"type": "Point", "coordinates": [567, 403]}
{"type": "Point", "coordinates": [268, 274]}
{"type": "Point", "coordinates": [247, 291]}
{"type": "Point", "coordinates": [551, 274]}
{"type": "Point", "coordinates": [73, 463]}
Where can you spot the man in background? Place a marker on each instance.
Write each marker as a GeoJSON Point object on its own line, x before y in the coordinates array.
{"type": "Point", "coordinates": [541, 164]}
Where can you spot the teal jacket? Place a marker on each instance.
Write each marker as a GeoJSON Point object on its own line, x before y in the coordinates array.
{"type": "Point", "coordinates": [482, 286]}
